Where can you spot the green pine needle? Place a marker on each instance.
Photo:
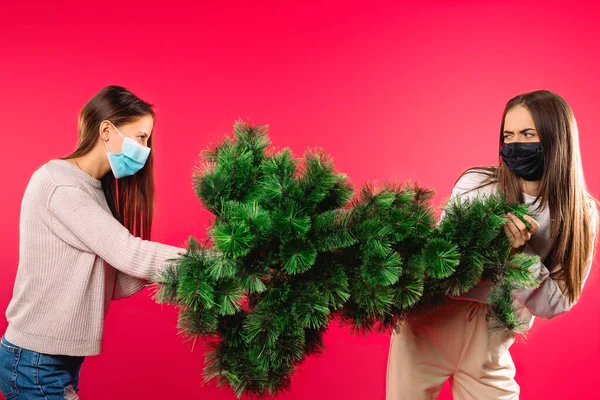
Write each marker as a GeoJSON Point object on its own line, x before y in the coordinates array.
{"type": "Point", "coordinates": [442, 257]}
{"type": "Point", "coordinates": [223, 267]}
{"type": "Point", "coordinates": [253, 284]}
{"type": "Point", "coordinates": [408, 293]}
{"type": "Point", "coordinates": [292, 220]}
{"type": "Point", "coordinates": [234, 240]}
{"type": "Point", "coordinates": [298, 258]}
{"type": "Point", "coordinates": [312, 316]}
{"type": "Point", "coordinates": [228, 298]}
{"type": "Point", "coordinates": [193, 323]}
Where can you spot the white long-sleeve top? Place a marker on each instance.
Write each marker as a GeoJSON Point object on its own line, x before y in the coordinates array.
{"type": "Point", "coordinates": [546, 301]}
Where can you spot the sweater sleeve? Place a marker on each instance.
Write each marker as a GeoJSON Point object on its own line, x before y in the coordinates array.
{"type": "Point", "coordinates": [547, 301]}
{"type": "Point", "coordinates": [462, 190]}
{"type": "Point", "coordinates": [126, 286]}
{"type": "Point", "coordinates": [77, 217]}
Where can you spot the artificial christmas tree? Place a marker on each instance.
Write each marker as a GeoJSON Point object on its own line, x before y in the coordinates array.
{"type": "Point", "coordinates": [291, 249]}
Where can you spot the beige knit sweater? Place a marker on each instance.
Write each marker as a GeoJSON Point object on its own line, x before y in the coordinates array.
{"type": "Point", "coordinates": [74, 258]}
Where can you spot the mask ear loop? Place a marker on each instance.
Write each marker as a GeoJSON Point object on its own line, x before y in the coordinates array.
{"type": "Point", "coordinates": [106, 140]}
{"type": "Point", "coordinates": [106, 144]}
{"type": "Point", "coordinates": [117, 130]}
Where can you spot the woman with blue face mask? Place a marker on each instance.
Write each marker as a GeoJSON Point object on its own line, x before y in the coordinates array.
{"type": "Point", "coordinates": [85, 226]}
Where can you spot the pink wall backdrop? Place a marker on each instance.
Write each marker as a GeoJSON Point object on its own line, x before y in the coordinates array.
{"type": "Point", "coordinates": [394, 91]}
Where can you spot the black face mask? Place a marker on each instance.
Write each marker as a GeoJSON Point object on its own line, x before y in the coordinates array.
{"type": "Point", "coordinates": [524, 159]}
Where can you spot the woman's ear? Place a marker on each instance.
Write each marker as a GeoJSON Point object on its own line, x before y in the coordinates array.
{"type": "Point", "coordinates": [104, 130]}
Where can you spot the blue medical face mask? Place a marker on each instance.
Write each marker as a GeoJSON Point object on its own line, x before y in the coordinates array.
{"type": "Point", "coordinates": [130, 160]}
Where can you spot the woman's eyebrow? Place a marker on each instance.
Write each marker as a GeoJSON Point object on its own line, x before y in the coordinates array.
{"type": "Point", "coordinates": [521, 131]}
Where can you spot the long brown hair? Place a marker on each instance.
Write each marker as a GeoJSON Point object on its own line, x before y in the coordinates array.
{"type": "Point", "coordinates": [131, 199]}
{"type": "Point", "coordinates": [563, 188]}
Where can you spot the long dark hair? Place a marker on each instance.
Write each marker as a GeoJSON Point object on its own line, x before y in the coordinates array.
{"type": "Point", "coordinates": [131, 199]}
{"type": "Point", "coordinates": [563, 188]}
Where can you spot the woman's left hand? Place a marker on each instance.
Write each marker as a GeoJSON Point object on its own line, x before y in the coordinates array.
{"type": "Point", "coordinates": [517, 232]}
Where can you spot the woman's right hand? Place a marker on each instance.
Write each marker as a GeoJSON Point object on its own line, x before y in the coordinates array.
{"type": "Point", "coordinates": [517, 232]}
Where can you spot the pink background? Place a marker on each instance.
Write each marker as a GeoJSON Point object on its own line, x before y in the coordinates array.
{"type": "Point", "coordinates": [393, 91]}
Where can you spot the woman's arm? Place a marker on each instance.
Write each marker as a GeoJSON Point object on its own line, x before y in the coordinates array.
{"type": "Point", "coordinates": [82, 222]}
{"type": "Point", "coordinates": [463, 190]}
{"type": "Point", "coordinates": [547, 301]}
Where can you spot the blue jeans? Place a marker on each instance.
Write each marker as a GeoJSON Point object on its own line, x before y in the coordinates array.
{"type": "Point", "coordinates": [26, 374]}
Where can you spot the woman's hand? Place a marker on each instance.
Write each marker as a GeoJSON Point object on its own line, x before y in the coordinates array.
{"type": "Point", "coordinates": [517, 233]}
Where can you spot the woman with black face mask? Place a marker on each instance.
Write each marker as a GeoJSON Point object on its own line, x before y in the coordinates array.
{"type": "Point", "coordinates": [539, 164]}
